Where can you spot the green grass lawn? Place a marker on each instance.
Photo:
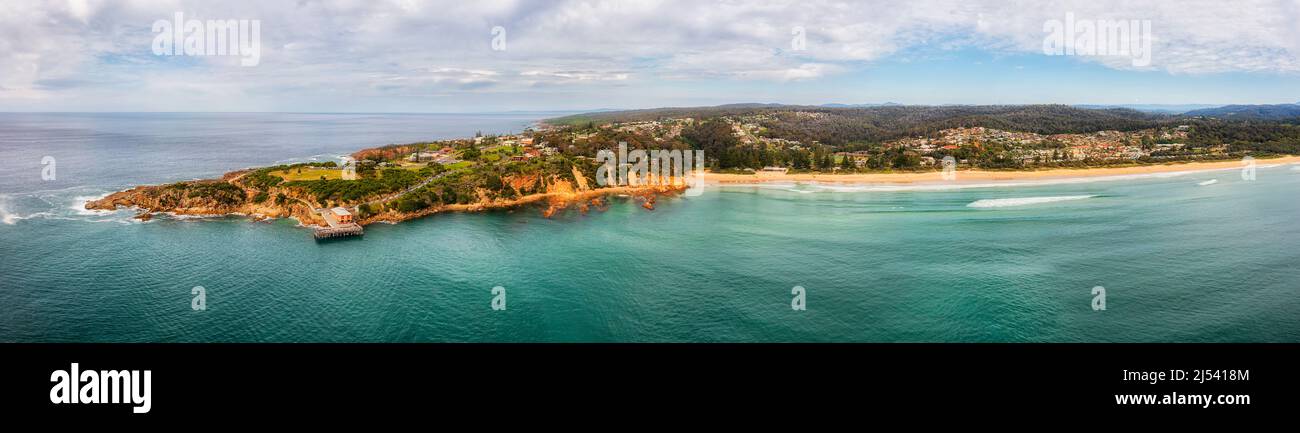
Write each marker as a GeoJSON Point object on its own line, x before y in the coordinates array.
{"type": "Point", "coordinates": [308, 173]}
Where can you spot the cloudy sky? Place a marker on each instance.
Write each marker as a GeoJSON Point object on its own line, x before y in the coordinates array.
{"type": "Point", "coordinates": [439, 56]}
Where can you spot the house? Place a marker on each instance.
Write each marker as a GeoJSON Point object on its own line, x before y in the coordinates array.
{"type": "Point", "coordinates": [342, 215]}
{"type": "Point", "coordinates": [526, 141]}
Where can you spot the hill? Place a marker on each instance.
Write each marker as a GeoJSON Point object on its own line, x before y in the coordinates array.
{"type": "Point", "coordinates": [840, 125]}
{"type": "Point", "coordinates": [1261, 112]}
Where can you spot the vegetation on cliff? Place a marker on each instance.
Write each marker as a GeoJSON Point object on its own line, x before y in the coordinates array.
{"type": "Point", "coordinates": [388, 183]}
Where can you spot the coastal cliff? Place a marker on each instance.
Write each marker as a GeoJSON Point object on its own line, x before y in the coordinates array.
{"type": "Point", "coordinates": [233, 195]}
{"type": "Point", "coordinates": [203, 197]}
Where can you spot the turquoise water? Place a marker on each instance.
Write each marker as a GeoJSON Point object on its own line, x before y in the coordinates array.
{"type": "Point", "coordinates": [1180, 262]}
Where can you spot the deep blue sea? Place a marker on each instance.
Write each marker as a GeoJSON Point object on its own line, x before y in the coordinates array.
{"type": "Point", "coordinates": [1180, 259]}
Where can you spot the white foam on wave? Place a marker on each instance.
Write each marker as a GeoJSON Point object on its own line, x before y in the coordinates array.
{"type": "Point", "coordinates": [1023, 201]}
{"type": "Point", "coordinates": [1208, 182]}
{"type": "Point", "coordinates": [62, 204]}
{"type": "Point", "coordinates": [79, 205]}
{"type": "Point", "coordinates": [320, 157]}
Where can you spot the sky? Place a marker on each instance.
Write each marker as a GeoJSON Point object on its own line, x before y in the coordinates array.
{"type": "Point", "coordinates": [492, 56]}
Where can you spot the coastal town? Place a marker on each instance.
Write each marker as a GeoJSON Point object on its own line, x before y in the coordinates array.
{"type": "Point", "coordinates": [1010, 149]}
{"type": "Point", "coordinates": [552, 163]}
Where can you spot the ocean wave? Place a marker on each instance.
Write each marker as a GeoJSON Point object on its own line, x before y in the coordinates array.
{"type": "Point", "coordinates": [1208, 182]}
{"type": "Point", "coordinates": [1023, 201]}
{"type": "Point", "coordinates": [189, 217]}
{"type": "Point", "coordinates": [320, 157]}
{"type": "Point", "coordinates": [78, 205]}
{"type": "Point", "coordinates": [62, 204]}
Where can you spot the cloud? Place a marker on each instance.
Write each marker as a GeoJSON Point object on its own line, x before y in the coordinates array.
{"type": "Point", "coordinates": [54, 52]}
{"type": "Point", "coordinates": [555, 77]}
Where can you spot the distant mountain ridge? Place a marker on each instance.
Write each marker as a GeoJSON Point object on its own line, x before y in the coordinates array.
{"type": "Point", "coordinates": [1253, 111]}
{"type": "Point", "coordinates": [1147, 108]}
{"type": "Point", "coordinates": [1153, 108]}
{"type": "Point", "coordinates": [1263, 112]}
{"type": "Point", "coordinates": [887, 104]}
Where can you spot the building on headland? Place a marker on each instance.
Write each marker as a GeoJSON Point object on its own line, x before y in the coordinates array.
{"type": "Point", "coordinates": [342, 215]}
{"type": "Point", "coordinates": [338, 224]}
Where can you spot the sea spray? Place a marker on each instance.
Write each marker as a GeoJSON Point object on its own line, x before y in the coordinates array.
{"type": "Point", "coordinates": [6, 213]}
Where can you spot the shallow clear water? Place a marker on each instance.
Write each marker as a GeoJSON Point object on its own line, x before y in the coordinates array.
{"type": "Point", "coordinates": [1179, 261]}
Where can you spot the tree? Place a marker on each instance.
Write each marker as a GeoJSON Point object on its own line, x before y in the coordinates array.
{"type": "Point", "coordinates": [470, 153]}
{"type": "Point", "coordinates": [712, 136]}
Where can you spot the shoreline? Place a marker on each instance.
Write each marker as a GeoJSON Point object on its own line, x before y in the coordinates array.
{"type": "Point", "coordinates": [982, 175]}
{"type": "Point", "coordinates": [553, 201]}
{"type": "Point", "coordinates": [584, 198]}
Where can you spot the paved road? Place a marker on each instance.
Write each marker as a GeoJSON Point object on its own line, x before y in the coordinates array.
{"type": "Point", "coordinates": [407, 190]}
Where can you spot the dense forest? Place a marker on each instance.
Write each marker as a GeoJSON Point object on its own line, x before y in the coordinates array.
{"type": "Point", "coordinates": [848, 125]}
{"type": "Point", "coordinates": [1261, 137]}
{"type": "Point", "coordinates": [838, 126]}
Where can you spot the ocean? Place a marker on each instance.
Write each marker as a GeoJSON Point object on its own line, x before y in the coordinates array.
{"type": "Point", "coordinates": [1180, 258]}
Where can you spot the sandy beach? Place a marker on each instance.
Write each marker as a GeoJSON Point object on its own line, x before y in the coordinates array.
{"type": "Point", "coordinates": [979, 175]}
